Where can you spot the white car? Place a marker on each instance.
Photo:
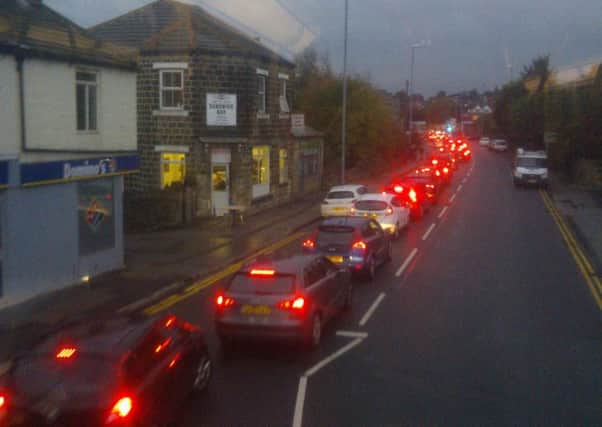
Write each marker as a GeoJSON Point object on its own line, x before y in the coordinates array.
{"type": "Point", "coordinates": [340, 199]}
{"type": "Point", "coordinates": [499, 145]}
{"type": "Point", "coordinates": [484, 141]}
{"type": "Point", "coordinates": [530, 167]}
{"type": "Point", "coordinates": [390, 211]}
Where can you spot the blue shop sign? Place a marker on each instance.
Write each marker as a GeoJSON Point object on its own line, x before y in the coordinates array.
{"type": "Point", "coordinates": [3, 174]}
{"type": "Point", "coordinates": [33, 174]}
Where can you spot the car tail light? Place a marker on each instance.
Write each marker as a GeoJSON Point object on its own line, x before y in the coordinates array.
{"type": "Point", "coordinates": [445, 170]}
{"type": "Point", "coordinates": [169, 322]}
{"type": "Point", "coordinates": [121, 409]}
{"type": "Point", "coordinates": [352, 211]}
{"type": "Point", "coordinates": [65, 353]}
{"type": "Point", "coordinates": [173, 361]}
{"type": "Point", "coordinates": [437, 173]}
{"type": "Point", "coordinates": [398, 189]}
{"type": "Point", "coordinates": [162, 346]}
{"type": "Point", "coordinates": [262, 272]}
{"type": "Point", "coordinates": [295, 304]}
{"type": "Point", "coordinates": [3, 401]}
{"type": "Point", "coordinates": [413, 196]}
{"type": "Point", "coordinates": [441, 149]}
{"type": "Point", "coordinates": [467, 152]}
{"type": "Point", "coordinates": [435, 161]}
{"type": "Point", "coordinates": [309, 244]}
{"type": "Point", "coordinates": [222, 301]}
{"type": "Point", "coordinates": [389, 211]}
{"type": "Point", "coordinates": [360, 245]}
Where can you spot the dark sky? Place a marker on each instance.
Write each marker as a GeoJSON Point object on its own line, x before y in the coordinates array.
{"type": "Point", "coordinates": [468, 37]}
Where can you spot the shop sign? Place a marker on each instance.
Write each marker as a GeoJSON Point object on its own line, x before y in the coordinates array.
{"type": "Point", "coordinates": [221, 109]}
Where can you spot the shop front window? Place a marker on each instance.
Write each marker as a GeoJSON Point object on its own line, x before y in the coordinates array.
{"type": "Point", "coordinates": [96, 220]}
{"type": "Point", "coordinates": [261, 170]}
{"type": "Point", "coordinates": [173, 169]}
{"type": "Point", "coordinates": [283, 165]}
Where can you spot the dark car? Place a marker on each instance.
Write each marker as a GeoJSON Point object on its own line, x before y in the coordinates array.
{"type": "Point", "coordinates": [418, 188]}
{"type": "Point", "coordinates": [288, 299]}
{"type": "Point", "coordinates": [357, 243]}
{"type": "Point", "coordinates": [119, 372]}
{"type": "Point", "coordinates": [444, 164]}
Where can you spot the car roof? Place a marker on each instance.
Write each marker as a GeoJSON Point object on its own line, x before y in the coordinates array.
{"type": "Point", "coordinates": [349, 221]}
{"type": "Point", "coordinates": [288, 265]}
{"type": "Point", "coordinates": [385, 197]}
{"type": "Point", "coordinates": [532, 154]}
{"type": "Point", "coordinates": [348, 187]}
{"type": "Point", "coordinates": [110, 337]}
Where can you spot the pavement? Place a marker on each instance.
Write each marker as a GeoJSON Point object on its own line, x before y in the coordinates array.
{"type": "Point", "coordinates": [159, 262]}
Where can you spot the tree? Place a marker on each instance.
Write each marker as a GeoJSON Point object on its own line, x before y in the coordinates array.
{"type": "Point", "coordinates": [538, 69]}
{"type": "Point", "coordinates": [439, 109]}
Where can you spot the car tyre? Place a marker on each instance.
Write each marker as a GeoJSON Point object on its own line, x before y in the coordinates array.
{"type": "Point", "coordinates": [348, 298]}
{"type": "Point", "coordinates": [314, 335]}
{"type": "Point", "coordinates": [371, 270]}
{"type": "Point", "coordinates": [203, 373]}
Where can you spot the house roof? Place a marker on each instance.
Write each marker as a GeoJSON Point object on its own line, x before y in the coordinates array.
{"type": "Point", "coordinates": [34, 29]}
{"type": "Point", "coordinates": [168, 26]}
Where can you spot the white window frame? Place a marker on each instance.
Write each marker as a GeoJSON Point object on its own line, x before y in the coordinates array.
{"type": "Point", "coordinates": [262, 189]}
{"type": "Point", "coordinates": [262, 95]}
{"type": "Point", "coordinates": [284, 107]}
{"type": "Point", "coordinates": [87, 85]}
{"type": "Point", "coordinates": [171, 88]}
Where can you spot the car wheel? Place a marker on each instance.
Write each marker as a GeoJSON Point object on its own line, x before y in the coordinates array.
{"type": "Point", "coordinates": [389, 255]}
{"type": "Point", "coordinates": [371, 270]}
{"type": "Point", "coordinates": [203, 373]}
{"type": "Point", "coordinates": [396, 234]}
{"type": "Point", "coordinates": [348, 298]}
{"type": "Point", "coordinates": [315, 333]}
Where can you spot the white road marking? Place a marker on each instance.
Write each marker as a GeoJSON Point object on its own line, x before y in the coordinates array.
{"type": "Point", "coordinates": [332, 357]}
{"type": "Point", "coordinates": [451, 199]}
{"type": "Point", "coordinates": [372, 308]}
{"type": "Point", "coordinates": [406, 262]}
{"type": "Point", "coordinates": [428, 232]}
{"type": "Point", "coordinates": [442, 212]}
{"type": "Point", "coordinates": [302, 387]}
{"type": "Point", "coordinates": [464, 180]}
{"type": "Point", "coordinates": [352, 334]}
{"type": "Point", "coordinates": [298, 417]}
{"type": "Point", "coordinates": [459, 188]}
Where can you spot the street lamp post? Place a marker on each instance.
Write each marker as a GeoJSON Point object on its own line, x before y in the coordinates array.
{"type": "Point", "coordinates": [344, 108]}
{"type": "Point", "coordinates": [423, 43]}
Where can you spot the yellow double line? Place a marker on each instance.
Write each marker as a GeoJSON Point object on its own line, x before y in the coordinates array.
{"type": "Point", "coordinates": [585, 266]}
{"type": "Point", "coordinates": [216, 277]}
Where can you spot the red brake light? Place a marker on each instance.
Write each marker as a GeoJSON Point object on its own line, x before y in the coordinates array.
{"type": "Point", "coordinates": [445, 170]}
{"type": "Point", "coordinates": [173, 361]}
{"type": "Point", "coordinates": [122, 408]}
{"type": "Point", "coordinates": [413, 195]}
{"type": "Point", "coordinates": [64, 353]}
{"type": "Point", "coordinates": [467, 152]}
{"type": "Point", "coordinates": [309, 244]}
{"type": "Point", "coordinates": [3, 400]}
{"type": "Point", "coordinates": [262, 272]}
{"type": "Point", "coordinates": [437, 173]}
{"type": "Point", "coordinates": [170, 321]}
{"type": "Point", "coordinates": [359, 245]}
{"type": "Point", "coordinates": [389, 211]}
{"type": "Point", "coordinates": [435, 161]}
{"type": "Point", "coordinates": [297, 303]}
{"type": "Point", "coordinates": [441, 149]}
{"type": "Point", "coordinates": [163, 345]}
{"type": "Point", "coordinates": [222, 301]}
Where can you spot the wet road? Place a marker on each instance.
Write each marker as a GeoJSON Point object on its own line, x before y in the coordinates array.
{"type": "Point", "coordinates": [482, 318]}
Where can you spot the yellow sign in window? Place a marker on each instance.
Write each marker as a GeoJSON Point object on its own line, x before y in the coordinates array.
{"type": "Point", "coordinates": [173, 169]}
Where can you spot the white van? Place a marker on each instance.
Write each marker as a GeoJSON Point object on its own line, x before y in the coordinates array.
{"type": "Point", "coordinates": [530, 168]}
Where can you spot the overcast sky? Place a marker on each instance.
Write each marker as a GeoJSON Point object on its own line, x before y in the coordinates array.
{"type": "Point", "coordinates": [468, 37]}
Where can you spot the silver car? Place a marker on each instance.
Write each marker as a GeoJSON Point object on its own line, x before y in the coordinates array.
{"type": "Point", "coordinates": [289, 299]}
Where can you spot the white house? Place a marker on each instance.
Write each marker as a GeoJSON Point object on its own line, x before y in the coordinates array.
{"type": "Point", "coordinates": [68, 135]}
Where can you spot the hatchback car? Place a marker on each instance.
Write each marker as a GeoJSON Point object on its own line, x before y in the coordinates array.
{"type": "Point", "coordinates": [118, 372]}
{"type": "Point", "coordinates": [356, 243]}
{"type": "Point", "coordinates": [340, 199]}
{"type": "Point", "coordinates": [389, 210]}
{"type": "Point", "coordinates": [417, 191]}
{"type": "Point", "coordinates": [484, 141]}
{"type": "Point", "coordinates": [288, 299]}
{"type": "Point", "coordinates": [499, 145]}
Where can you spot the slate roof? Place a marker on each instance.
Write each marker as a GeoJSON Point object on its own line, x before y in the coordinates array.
{"type": "Point", "coordinates": [168, 27]}
{"type": "Point", "coordinates": [34, 29]}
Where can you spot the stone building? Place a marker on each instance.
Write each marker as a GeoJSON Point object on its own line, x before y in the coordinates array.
{"type": "Point", "coordinates": [214, 112]}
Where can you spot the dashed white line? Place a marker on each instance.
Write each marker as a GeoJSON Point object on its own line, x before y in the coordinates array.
{"type": "Point", "coordinates": [298, 417]}
{"type": "Point", "coordinates": [459, 188]}
{"type": "Point", "coordinates": [442, 212]}
{"type": "Point", "coordinates": [428, 232]}
{"type": "Point", "coordinates": [372, 308]}
{"type": "Point", "coordinates": [352, 334]}
{"type": "Point", "coordinates": [406, 262]}
{"type": "Point", "coordinates": [451, 199]}
{"type": "Point", "coordinates": [464, 180]}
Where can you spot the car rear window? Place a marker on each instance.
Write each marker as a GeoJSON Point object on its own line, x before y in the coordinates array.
{"type": "Point", "coordinates": [371, 205]}
{"type": "Point", "coordinates": [340, 195]}
{"type": "Point", "coordinates": [334, 236]}
{"type": "Point", "coordinates": [266, 285]}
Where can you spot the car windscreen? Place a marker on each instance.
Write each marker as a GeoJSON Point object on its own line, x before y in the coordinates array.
{"type": "Point", "coordinates": [340, 195]}
{"type": "Point", "coordinates": [341, 236]}
{"type": "Point", "coordinates": [371, 205]}
{"type": "Point", "coordinates": [531, 162]}
{"type": "Point", "coordinates": [262, 285]}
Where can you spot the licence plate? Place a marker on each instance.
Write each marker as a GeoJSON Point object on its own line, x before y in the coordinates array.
{"type": "Point", "coordinates": [335, 258]}
{"type": "Point", "coordinates": [342, 209]}
{"type": "Point", "coordinates": [371, 215]}
{"type": "Point", "coordinates": [532, 181]}
{"type": "Point", "coordinates": [256, 310]}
